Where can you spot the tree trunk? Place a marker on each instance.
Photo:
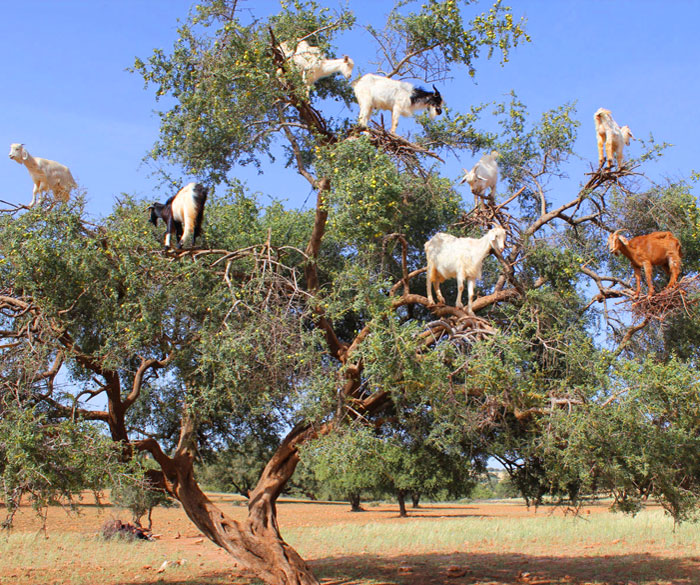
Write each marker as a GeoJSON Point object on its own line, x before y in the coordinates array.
{"type": "Point", "coordinates": [255, 542]}
{"type": "Point", "coordinates": [355, 502]}
{"type": "Point", "coordinates": [415, 499]}
{"type": "Point", "coordinates": [401, 495]}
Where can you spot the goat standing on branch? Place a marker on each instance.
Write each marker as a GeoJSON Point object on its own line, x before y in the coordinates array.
{"type": "Point", "coordinates": [654, 249]}
{"type": "Point", "coordinates": [610, 137]}
{"type": "Point", "coordinates": [312, 64]}
{"type": "Point", "coordinates": [186, 208]}
{"type": "Point", "coordinates": [449, 257]}
{"type": "Point", "coordinates": [48, 175]}
{"type": "Point", "coordinates": [484, 175]}
{"type": "Point", "coordinates": [374, 92]}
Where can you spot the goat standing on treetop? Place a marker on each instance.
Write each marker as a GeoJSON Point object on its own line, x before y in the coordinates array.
{"type": "Point", "coordinates": [186, 208]}
{"type": "Point", "coordinates": [654, 249]}
{"type": "Point", "coordinates": [610, 137]}
{"type": "Point", "coordinates": [312, 63]}
{"type": "Point", "coordinates": [374, 92]}
{"type": "Point", "coordinates": [484, 174]}
{"type": "Point", "coordinates": [48, 175]}
{"type": "Point", "coordinates": [449, 257]}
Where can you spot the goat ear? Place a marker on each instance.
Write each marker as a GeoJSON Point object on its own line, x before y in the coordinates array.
{"type": "Point", "coordinates": [25, 154]}
{"type": "Point", "coordinates": [435, 89]}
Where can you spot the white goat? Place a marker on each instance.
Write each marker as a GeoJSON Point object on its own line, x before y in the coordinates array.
{"type": "Point", "coordinates": [48, 175]}
{"type": "Point", "coordinates": [611, 137]}
{"type": "Point", "coordinates": [449, 257]}
{"type": "Point", "coordinates": [374, 92]}
{"type": "Point", "coordinates": [312, 64]}
{"type": "Point", "coordinates": [483, 175]}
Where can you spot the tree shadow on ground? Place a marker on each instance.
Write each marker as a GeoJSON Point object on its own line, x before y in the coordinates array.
{"type": "Point", "coordinates": [509, 569]}
{"type": "Point", "coordinates": [472, 569]}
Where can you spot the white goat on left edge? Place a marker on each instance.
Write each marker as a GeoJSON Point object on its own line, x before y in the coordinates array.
{"type": "Point", "coordinates": [374, 92]}
{"type": "Point", "coordinates": [449, 257]}
{"type": "Point", "coordinates": [610, 137]}
{"type": "Point", "coordinates": [484, 174]}
{"type": "Point", "coordinates": [313, 65]}
{"type": "Point", "coordinates": [48, 175]}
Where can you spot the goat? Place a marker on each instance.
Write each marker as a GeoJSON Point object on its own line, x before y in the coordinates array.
{"type": "Point", "coordinates": [654, 249]}
{"type": "Point", "coordinates": [48, 175]}
{"type": "Point", "coordinates": [399, 97]}
{"type": "Point", "coordinates": [449, 257]}
{"type": "Point", "coordinates": [313, 65]}
{"type": "Point", "coordinates": [610, 137]}
{"type": "Point", "coordinates": [186, 208]}
{"type": "Point", "coordinates": [484, 174]}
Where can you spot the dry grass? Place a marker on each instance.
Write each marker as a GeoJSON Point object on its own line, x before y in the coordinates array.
{"type": "Point", "coordinates": [467, 544]}
{"type": "Point", "coordinates": [601, 534]}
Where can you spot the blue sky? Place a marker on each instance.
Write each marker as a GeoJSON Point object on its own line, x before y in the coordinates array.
{"type": "Point", "coordinates": [67, 95]}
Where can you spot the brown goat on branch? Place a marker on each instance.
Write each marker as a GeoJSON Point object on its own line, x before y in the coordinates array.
{"type": "Point", "coordinates": [654, 249]}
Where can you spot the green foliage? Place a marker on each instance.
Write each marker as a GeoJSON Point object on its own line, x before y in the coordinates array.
{"type": "Point", "coordinates": [363, 461]}
{"type": "Point", "coordinates": [137, 494]}
{"type": "Point", "coordinates": [237, 468]}
{"type": "Point", "coordinates": [46, 462]}
{"type": "Point", "coordinates": [222, 73]}
{"type": "Point", "coordinates": [494, 486]}
{"type": "Point", "coordinates": [638, 440]}
{"type": "Point", "coordinates": [440, 24]}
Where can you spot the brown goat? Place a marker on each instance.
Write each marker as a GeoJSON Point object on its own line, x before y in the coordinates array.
{"type": "Point", "coordinates": [654, 249]}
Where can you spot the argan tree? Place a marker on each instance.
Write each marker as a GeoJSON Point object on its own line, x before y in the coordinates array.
{"type": "Point", "coordinates": [298, 325]}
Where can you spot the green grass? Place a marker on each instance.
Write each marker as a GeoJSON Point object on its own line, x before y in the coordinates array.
{"type": "Point", "coordinates": [608, 533]}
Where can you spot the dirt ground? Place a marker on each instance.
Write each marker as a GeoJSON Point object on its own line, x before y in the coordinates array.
{"type": "Point", "coordinates": [479, 564]}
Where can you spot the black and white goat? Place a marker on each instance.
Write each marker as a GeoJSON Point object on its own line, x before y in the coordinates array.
{"type": "Point", "coordinates": [185, 210]}
{"type": "Point", "coordinates": [375, 92]}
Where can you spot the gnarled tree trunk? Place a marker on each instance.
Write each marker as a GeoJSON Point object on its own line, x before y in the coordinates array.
{"type": "Point", "coordinates": [255, 542]}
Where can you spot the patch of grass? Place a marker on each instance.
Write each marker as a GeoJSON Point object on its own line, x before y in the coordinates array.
{"type": "Point", "coordinates": [80, 559]}
{"type": "Point", "coordinates": [602, 533]}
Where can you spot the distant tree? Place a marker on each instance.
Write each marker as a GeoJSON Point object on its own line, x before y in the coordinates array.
{"type": "Point", "coordinates": [139, 494]}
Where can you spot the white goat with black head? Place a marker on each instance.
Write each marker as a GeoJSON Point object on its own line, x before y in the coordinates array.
{"type": "Point", "coordinates": [48, 175]}
{"type": "Point", "coordinates": [185, 210]}
{"type": "Point", "coordinates": [484, 175]}
{"type": "Point", "coordinates": [610, 137]}
{"type": "Point", "coordinates": [312, 63]}
{"type": "Point", "coordinates": [375, 92]}
{"type": "Point", "coordinates": [450, 257]}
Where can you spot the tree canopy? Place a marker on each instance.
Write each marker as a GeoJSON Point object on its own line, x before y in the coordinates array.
{"type": "Point", "coordinates": [310, 331]}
